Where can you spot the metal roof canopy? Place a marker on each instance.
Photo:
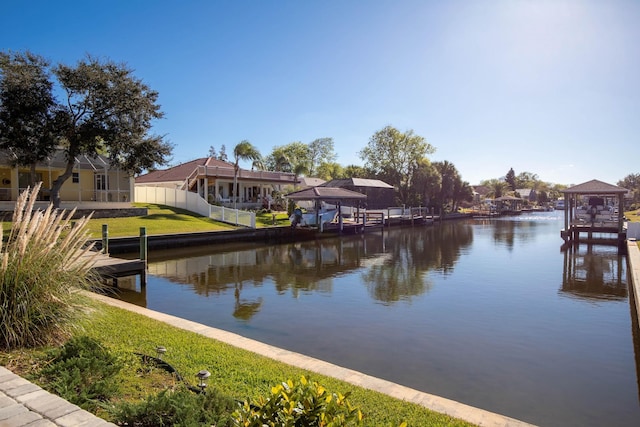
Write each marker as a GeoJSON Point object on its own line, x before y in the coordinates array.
{"type": "Point", "coordinates": [325, 193]}
{"type": "Point", "coordinates": [595, 187]}
{"type": "Point", "coordinates": [357, 182]}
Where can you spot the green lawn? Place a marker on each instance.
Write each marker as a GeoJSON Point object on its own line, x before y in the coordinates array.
{"type": "Point", "coordinates": [162, 219]}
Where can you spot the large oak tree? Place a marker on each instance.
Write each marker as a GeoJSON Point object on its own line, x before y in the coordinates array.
{"type": "Point", "coordinates": [106, 110]}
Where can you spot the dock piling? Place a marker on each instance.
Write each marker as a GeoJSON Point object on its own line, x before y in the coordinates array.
{"type": "Point", "coordinates": [143, 255]}
{"type": "Point", "coordinates": [105, 239]}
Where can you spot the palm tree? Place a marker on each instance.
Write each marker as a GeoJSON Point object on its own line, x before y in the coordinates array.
{"type": "Point", "coordinates": [299, 169]}
{"type": "Point", "coordinates": [243, 151]}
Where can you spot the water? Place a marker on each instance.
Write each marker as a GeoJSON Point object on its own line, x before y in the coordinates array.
{"type": "Point", "coordinates": [490, 313]}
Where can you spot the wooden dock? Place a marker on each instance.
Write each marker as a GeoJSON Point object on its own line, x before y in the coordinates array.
{"type": "Point", "coordinates": [609, 234]}
{"type": "Point", "coordinates": [112, 268]}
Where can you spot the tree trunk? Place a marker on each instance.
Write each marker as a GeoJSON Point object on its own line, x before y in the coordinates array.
{"type": "Point", "coordinates": [57, 184]}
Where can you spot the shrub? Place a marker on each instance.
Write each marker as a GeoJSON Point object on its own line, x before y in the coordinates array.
{"type": "Point", "coordinates": [298, 404]}
{"type": "Point", "coordinates": [42, 264]}
{"type": "Point", "coordinates": [82, 372]}
{"type": "Point", "coordinates": [176, 407]}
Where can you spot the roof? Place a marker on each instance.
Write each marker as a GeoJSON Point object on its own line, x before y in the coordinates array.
{"type": "Point", "coordinates": [325, 193]}
{"type": "Point", "coordinates": [176, 173]}
{"type": "Point", "coordinates": [306, 181]}
{"type": "Point", "coordinates": [595, 187]}
{"type": "Point", "coordinates": [210, 167]}
{"type": "Point", "coordinates": [58, 160]}
{"type": "Point", "coordinates": [357, 182]}
{"type": "Point", "coordinates": [507, 198]}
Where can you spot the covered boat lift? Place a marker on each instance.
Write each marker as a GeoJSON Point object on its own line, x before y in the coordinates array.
{"type": "Point", "coordinates": [334, 195]}
{"type": "Point", "coordinates": [602, 218]}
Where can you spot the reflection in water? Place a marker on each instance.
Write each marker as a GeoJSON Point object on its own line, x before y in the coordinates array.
{"type": "Point", "coordinates": [594, 272]}
{"type": "Point", "coordinates": [393, 264]}
{"type": "Point", "coordinates": [401, 273]}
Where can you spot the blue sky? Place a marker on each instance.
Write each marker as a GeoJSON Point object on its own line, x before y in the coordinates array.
{"type": "Point", "coordinates": [547, 87]}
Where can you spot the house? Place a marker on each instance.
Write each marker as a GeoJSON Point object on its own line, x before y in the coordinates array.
{"type": "Point", "coordinates": [380, 195]}
{"type": "Point", "coordinates": [93, 180]}
{"type": "Point", "coordinates": [213, 180]}
{"type": "Point", "coordinates": [480, 193]}
{"type": "Point", "coordinates": [527, 194]}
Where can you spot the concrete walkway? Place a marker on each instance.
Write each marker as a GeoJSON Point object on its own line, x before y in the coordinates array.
{"type": "Point", "coordinates": [25, 404]}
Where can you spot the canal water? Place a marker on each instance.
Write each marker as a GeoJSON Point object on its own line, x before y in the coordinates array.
{"type": "Point", "coordinates": [491, 313]}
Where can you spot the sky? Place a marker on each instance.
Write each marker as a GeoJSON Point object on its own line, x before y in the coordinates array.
{"type": "Point", "coordinates": [546, 87]}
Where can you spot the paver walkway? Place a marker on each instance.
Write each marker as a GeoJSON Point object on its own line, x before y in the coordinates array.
{"type": "Point", "coordinates": [23, 403]}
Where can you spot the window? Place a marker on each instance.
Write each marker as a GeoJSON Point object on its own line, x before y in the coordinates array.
{"type": "Point", "coordinates": [102, 182]}
{"type": "Point", "coordinates": [75, 177]}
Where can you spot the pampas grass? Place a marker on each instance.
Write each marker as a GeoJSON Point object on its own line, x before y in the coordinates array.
{"type": "Point", "coordinates": [43, 263]}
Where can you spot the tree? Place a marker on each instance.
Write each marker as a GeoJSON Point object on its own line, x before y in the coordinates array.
{"type": "Point", "coordinates": [107, 111]}
{"type": "Point", "coordinates": [243, 151]}
{"type": "Point", "coordinates": [286, 158]}
{"type": "Point", "coordinates": [223, 154]}
{"type": "Point", "coordinates": [632, 183]}
{"type": "Point", "coordinates": [26, 110]}
{"type": "Point", "coordinates": [212, 152]}
{"type": "Point", "coordinates": [427, 183]}
{"type": "Point", "coordinates": [320, 151]}
{"type": "Point", "coordinates": [527, 180]}
{"type": "Point", "coordinates": [510, 179]}
{"type": "Point", "coordinates": [394, 156]}
{"type": "Point", "coordinates": [355, 171]}
{"type": "Point", "coordinates": [496, 187]}
{"type": "Point", "coordinates": [451, 186]}
{"type": "Point", "coordinates": [329, 171]}
{"type": "Point", "coordinates": [298, 170]}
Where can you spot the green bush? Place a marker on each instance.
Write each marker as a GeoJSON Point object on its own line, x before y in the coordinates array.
{"type": "Point", "coordinates": [43, 263]}
{"type": "Point", "coordinates": [300, 404]}
{"type": "Point", "coordinates": [180, 407]}
{"type": "Point", "coordinates": [82, 372]}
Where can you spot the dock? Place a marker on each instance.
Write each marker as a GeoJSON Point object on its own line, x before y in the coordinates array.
{"type": "Point", "coordinates": [112, 268]}
{"type": "Point", "coordinates": [593, 213]}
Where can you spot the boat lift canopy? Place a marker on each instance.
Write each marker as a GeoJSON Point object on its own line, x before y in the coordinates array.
{"type": "Point", "coordinates": [326, 194]}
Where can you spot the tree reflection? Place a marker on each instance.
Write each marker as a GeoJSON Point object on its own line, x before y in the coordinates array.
{"type": "Point", "coordinates": [393, 264]}
{"type": "Point", "coordinates": [245, 309]}
{"type": "Point", "coordinates": [402, 274]}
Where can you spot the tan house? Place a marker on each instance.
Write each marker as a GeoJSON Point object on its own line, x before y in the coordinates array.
{"type": "Point", "coordinates": [93, 180]}
{"type": "Point", "coordinates": [213, 180]}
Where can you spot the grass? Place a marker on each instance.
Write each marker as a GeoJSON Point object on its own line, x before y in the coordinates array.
{"type": "Point", "coordinates": [238, 373]}
{"type": "Point", "coordinates": [633, 216]}
{"type": "Point", "coordinates": [162, 219]}
{"type": "Point", "coordinates": [159, 220]}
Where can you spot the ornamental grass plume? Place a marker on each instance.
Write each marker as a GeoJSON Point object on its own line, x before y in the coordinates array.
{"type": "Point", "coordinates": [44, 263]}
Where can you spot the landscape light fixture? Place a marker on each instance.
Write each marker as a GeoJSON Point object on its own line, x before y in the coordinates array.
{"type": "Point", "coordinates": [160, 351]}
{"type": "Point", "coordinates": [203, 376]}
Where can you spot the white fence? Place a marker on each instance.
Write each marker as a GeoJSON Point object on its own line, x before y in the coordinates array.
{"type": "Point", "coordinates": [633, 230]}
{"type": "Point", "coordinates": [194, 203]}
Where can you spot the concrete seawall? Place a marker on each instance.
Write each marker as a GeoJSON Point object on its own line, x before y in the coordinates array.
{"type": "Point", "coordinates": [633, 264]}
